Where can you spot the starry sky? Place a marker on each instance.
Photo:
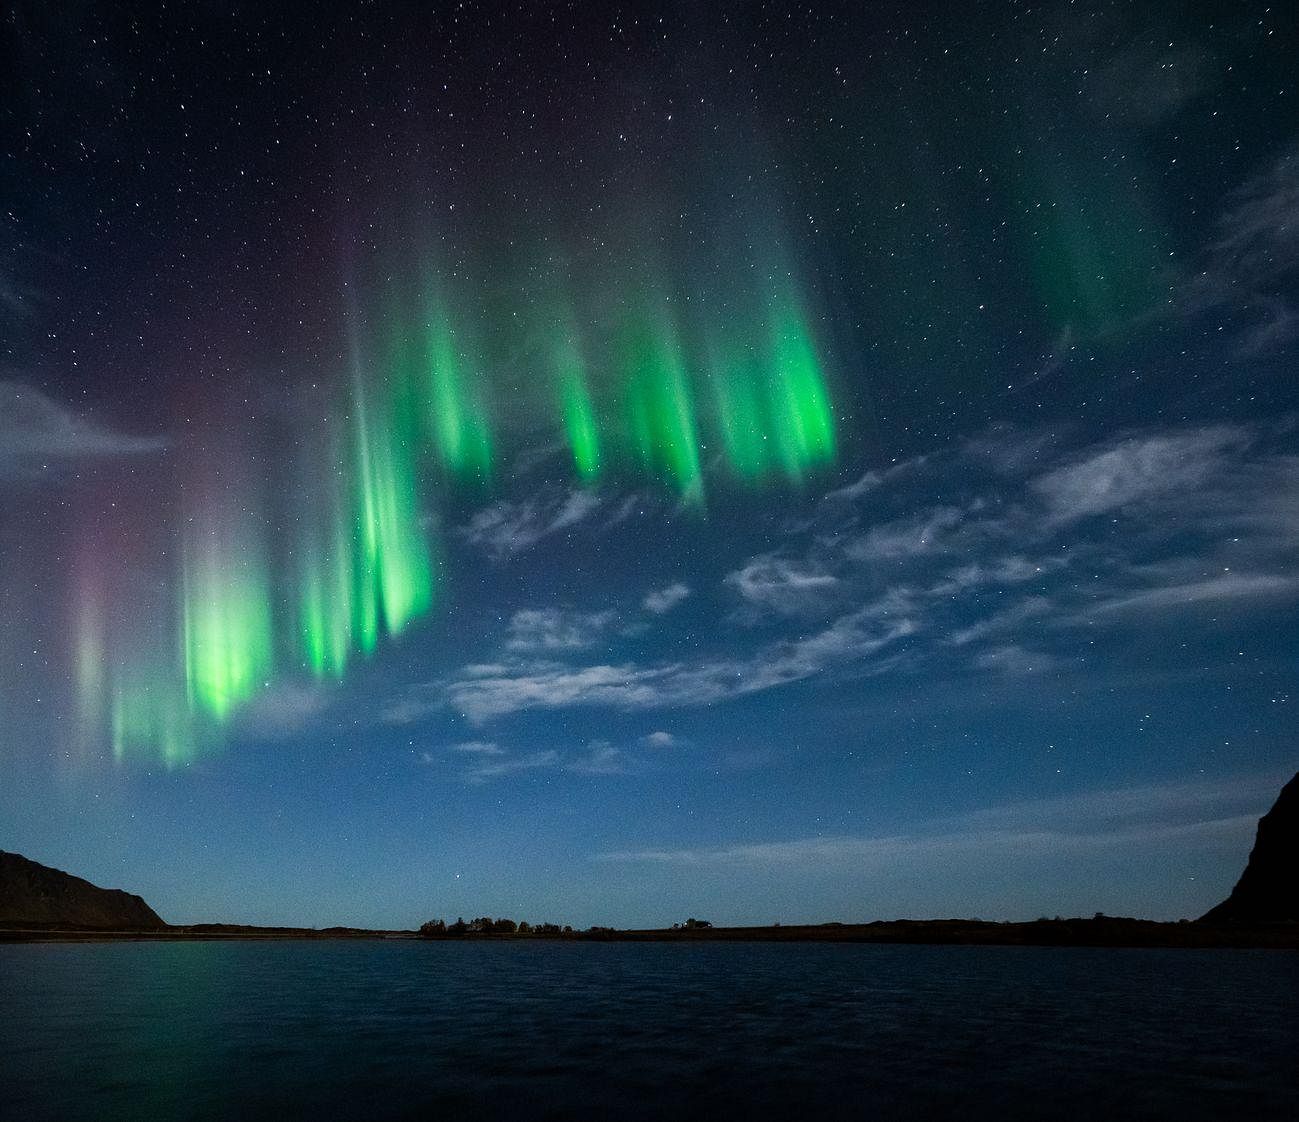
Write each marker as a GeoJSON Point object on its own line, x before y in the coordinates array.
{"type": "Point", "coordinates": [609, 463]}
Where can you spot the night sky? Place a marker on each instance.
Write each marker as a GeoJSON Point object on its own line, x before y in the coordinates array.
{"type": "Point", "coordinates": [604, 464]}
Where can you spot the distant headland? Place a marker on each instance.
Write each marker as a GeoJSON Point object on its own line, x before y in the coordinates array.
{"type": "Point", "coordinates": [38, 903]}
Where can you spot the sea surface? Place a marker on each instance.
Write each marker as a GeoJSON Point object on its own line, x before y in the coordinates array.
{"type": "Point", "coordinates": [374, 1030]}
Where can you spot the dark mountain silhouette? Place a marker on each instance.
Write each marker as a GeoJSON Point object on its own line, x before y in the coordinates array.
{"type": "Point", "coordinates": [37, 900]}
{"type": "Point", "coordinates": [1268, 889]}
{"type": "Point", "coordinates": [36, 896]}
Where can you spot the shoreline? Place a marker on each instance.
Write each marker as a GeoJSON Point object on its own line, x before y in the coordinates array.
{"type": "Point", "coordinates": [1098, 932]}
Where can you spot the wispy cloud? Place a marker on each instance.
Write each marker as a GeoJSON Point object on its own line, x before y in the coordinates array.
{"type": "Point", "coordinates": [867, 484]}
{"type": "Point", "coordinates": [506, 528]}
{"type": "Point", "coordinates": [534, 630]}
{"type": "Point", "coordinates": [995, 571]}
{"type": "Point", "coordinates": [662, 600]}
{"type": "Point", "coordinates": [785, 585]}
{"type": "Point", "coordinates": [600, 758]}
{"type": "Point", "coordinates": [479, 749]}
{"type": "Point", "coordinates": [997, 580]}
{"type": "Point", "coordinates": [858, 489]}
{"type": "Point", "coordinates": [482, 761]}
{"type": "Point", "coordinates": [1253, 263]}
{"type": "Point", "coordinates": [282, 712]}
{"type": "Point", "coordinates": [1012, 659]}
{"type": "Point", "coordinates": [511, 687]}
{"type": "Point", "coordinates": [1217, 590]}
{"type": "Point", "coordinates": [1188, 813]}
{"type": "Point", "coordinates": [888, 850]}
{"type": "Point", "coordinates": [911, 536]}
{"type": "Point", "coordinates": [36, 431]}
{"type": "Point", "coordinates": [1031, 607]}
{"type": "Point", "coordinates": [488, 767]}
{"type": "Point", "coordinates": [1135, 470]}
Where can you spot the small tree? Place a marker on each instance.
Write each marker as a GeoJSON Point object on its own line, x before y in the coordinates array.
{"type": "Point", "coordinates": [504, 927]}
{"type": "Point", "coordinates": [525, 928]}
{"type": "Point", "coordinates": [433, 928]}
{"type": "Point", "coordinates": [459, 927]}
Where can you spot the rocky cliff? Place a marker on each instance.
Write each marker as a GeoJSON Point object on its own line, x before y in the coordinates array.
{"type": "Point", "coordinates": [36, 896]}
{"type": "Point", "coordinates": [1268, 889]}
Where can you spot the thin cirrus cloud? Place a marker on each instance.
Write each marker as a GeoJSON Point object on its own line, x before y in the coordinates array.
{"type": "Point", "coordinates": [1252, 264]}
{"type": "Point", "coordinates": [507, 528]}
{"type": "Point", "coordinates": [1184, 813]}
{"type": "Point", "coordinates": [1217, 590]}
{"type": "Point", "coordinates": [482, 761]}
{"type": "Point", "coordinates": [1013, 576]}
{"type": "Point", "coordinates": [35, 431]}
{"type": "Point", "coordinates": [539, 630]}
{"type": "Point", "coordinates": [660, 601]}
{"type": "Point", "coordinates": [481, 694]}
{"type": "Point", "coordinates": [784, 585]}
{"type": "Point", "coordinates": [1014, 660]}
{"type": "Point", "coordinates": [485, 768]}
{"type": "Point", "coordinates": [1134, 471]}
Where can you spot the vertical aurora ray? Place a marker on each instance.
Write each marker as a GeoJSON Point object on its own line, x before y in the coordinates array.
{"type": "Point", "coordinates": [130, 697]}
{"type": "Point", "coordinates": [577, 407]}
{"type": "Point", "coordinates": [740, 408]}
{"type": "Point", "coordinates": [89, 649]}
{"type": "Point", "coordinates": [651, 382]}
{"type": "Point", "coordinates": [226, 633]}
{"type": "Point", "coordinates": [150, 720]}
{"type": "Point", "coordinates": [660, 407]}
{"type": "Point", "coordinates": [770, 397]}
{"type": "Point", "coordinates": [365, 563]}
{"type": "Point", "coordinates": [330, 620]}
{"type": "Point", "coordinates": [802, 418]}
{"type": "Point", "coordinates": [457, 414]}
{"type": "Point", "coordinates": [1094, 241]}
{"type": "Point", "coordinates": [395, 570]}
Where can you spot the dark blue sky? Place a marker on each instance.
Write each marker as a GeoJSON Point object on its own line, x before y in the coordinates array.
{"type": "Point", "coordinates": [1022, 645]}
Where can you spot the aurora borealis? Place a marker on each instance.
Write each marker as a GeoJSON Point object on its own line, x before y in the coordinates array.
{"type": "Point", "coordinates": [410, 417]}
{"type": "Point", "coordinates": [756, 455]}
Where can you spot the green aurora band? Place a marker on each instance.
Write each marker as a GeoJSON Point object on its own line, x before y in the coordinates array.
{"type": "Point", "coordinates": [150, 719]}
{"type": "Point", "coordinates": [577, 407]}
{"type": "Point", "coordinates": [396, 570]}
{"type": "Point", "coordinates": [631, 393]}
{"type": "Point", "coordinates": [771, 401]}
{"type": "Point", "coordinates": [456, 413]}
{"type": "Point", "coordinates": [660, 406]}
{"type": "Point", "coordinates": [226, 637]}
{"type": "Point", "coordinates": [365, 561]}
{"type": "Point", "coordinates": [332, 623]}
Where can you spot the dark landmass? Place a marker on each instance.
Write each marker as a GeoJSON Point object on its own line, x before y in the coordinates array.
{"type": "Point", "coordinates": [13, 933]}
{"type": "Point", "coordinates": [33, 895]}
{"type": "Point", "coordinates": [39, 904]}
{"type": "Point", "coordinates": [1104, 931]}
{"type": "Point", "coordinates": [1268, 889]}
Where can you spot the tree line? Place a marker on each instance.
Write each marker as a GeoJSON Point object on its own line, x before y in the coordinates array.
{"type": "Point", "coordinates": [485, 925]}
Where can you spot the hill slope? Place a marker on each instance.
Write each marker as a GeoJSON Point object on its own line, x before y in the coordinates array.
{"type": "Point", "coordinates": [1268, 889]}
{"type": "Point", "coordinates": [33, 895]}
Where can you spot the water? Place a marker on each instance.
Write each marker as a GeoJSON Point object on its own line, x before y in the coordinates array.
{"type": "Point", "coordinates": [373, 1030]}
